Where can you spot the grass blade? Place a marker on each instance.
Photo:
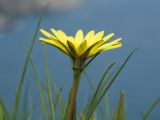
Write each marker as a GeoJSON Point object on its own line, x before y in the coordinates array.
{"type": "Point", "coordinates": [66, 107]}
{"type": "Point", "coordinates": [120, 113]}
{"type": "Point", "coordinates": [116, 75]}
{"type": "Point", "coordinates": [150, 110]}
{"type": "Point", "coordinates": [25, 112]}
{"type": "Point", "coordinates": [96, 93]}
{"type": "Point", "coordinates": [40, 87]}
{"type": "Point", "coordinates": [49, 90]}
{"type": "Point", "coordinates": [96, 101]}
{"type": "Point", "coordinates": [3, 111]}
{"type": "Point", "coordinates": [20, 86]}
{"type": "Point", "coordinates": [41, 92]}
{"type": "Point", "coordinates": [108, 111]}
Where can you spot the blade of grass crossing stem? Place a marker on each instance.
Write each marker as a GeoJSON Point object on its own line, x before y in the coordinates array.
{"type": "Point", "coordinates": [98, 100]}
{"type": "Point", "coordinates": [20, 86]}
{"type": "Point", "coordinates": [120, 112]}
{"type": "Point", "coordinates": [150, 110]}
{"type": "Point", "coordinates": [41, 92]}
{"type": "Point", "coordinates": [49, 90]}
{"type": "Point", "coordinates": [3, 111]}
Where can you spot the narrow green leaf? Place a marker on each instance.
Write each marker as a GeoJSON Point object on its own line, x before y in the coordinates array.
{"type": "Point", "coordinates": [97, 91]}
{"type": "Point", "coordinates": [120, 112]}
{"type": "Point", "coordinates": [49, 90]}
{"type": "Point", "coordinates": [67, 106]}
{"type": "Point", "coordinates": [3, 111]}
{"type": "Point", "coordinates": [96, 101]}
{"type": "Point", "coordinates": [20, 86]}
{"type": "Point", "coordinates": [108, 111]}
{"type": "Point", "coordinates": [25, 112]}
{"type": "Point", "coordinates": [151, 108]}
{"type": "Point", "coordinates": [116, 75]}
{"type": "Point", "coordinates": [58, 100]}
{"type": "Point", "coordinates": [41, 92]}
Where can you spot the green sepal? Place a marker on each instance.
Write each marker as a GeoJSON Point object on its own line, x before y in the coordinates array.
{"type": "Point", "coordinates": [72, 49]}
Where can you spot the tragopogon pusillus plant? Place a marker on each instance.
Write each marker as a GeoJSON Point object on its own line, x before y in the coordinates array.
{"type": "Point", "coordinates": [79, 48]}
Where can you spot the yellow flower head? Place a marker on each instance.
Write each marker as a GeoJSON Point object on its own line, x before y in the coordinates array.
{"type": "Point", "coordinates": [80, 46]}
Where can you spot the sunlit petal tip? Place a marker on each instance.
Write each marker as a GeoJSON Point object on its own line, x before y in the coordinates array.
{"type": "Point", "coordinates": [98, 36]}
{"type": "Point", "coordinates": [91, 31]}
{"type": "Point", "coordinates": [106, 38]}
{"type": "Point", "coordinates": [41, 30]}
{"type": "Point", "coordinates": [111, 34]}
{"type": "Point", "coordinates": [118, 39]}
{"type": "Point", "coordinates": [90, 35]}
{"type": "Point", "coordinates": [79, 32]}
{"type": "Point", "coordinates": [100, 33]}
{"type": "Point", "coordinates": [53, 31]}
{"type": "Point", "coordinates": [79, 36]}
{"type": "Point", "coordinates": [42, 39]}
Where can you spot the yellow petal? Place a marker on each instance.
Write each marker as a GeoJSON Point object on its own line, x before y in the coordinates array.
{"type": "Point", "coordinates": [79, 36]}
{"type": "Point", "coordinates": [73, 41]}
{"type": "Point", "coordinates": [96, 38]}
{"type": "Point", "coordinates": [54, 31]}
{"type": "Point", "coordinates": [92, 53]}
{"type": "Point", "coordinates": [91, 48]}
{"type": "Point", "coordinates": [54, 43]}
{"type": "Point", "coordinates": [106, 38]}
{"type": "Point", "coordinates": [105, 46]}
{"type": "Point", "coordinates": [114, 46]}
{"type": "Point", "coordinates": [60, 35]}
{"type": "Point", "coordinates": [96, 45]}
{"type": "Point", "coordinates": [90, 35]}
{"type": "Point", "coordinates": [47, 34]}
{"type": "Point", "coordinates": [82, 48]}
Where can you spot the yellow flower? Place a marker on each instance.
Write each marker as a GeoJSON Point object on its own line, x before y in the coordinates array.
{"type": "Point", "coordinates": [80, 46]}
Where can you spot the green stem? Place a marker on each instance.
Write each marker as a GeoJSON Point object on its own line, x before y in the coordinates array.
{"type": "Point", "coordinates": [74, 90]}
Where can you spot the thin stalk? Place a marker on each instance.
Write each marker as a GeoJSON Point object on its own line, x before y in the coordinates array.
{"type": "Point", "coordinates": [74, 89]}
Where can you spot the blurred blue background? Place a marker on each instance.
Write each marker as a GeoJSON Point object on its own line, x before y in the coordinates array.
{"type": "Point", "coordinates": [136, 21]}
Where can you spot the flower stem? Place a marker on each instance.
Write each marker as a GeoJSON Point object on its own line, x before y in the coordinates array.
{"type": "Point", "coordinates": [74, 89]}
